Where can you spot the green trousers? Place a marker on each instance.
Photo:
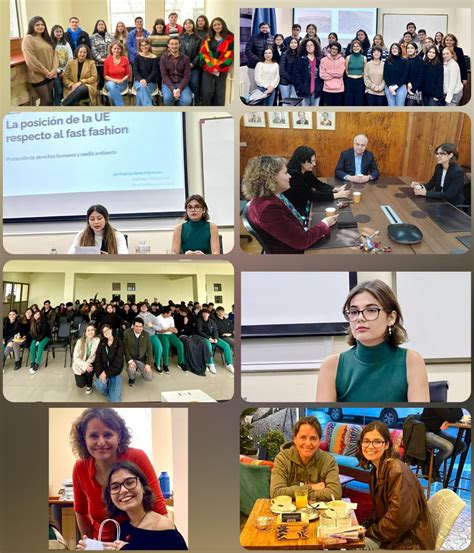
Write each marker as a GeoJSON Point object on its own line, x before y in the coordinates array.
{"type": "Point", "coordinates": [224, 346]}
{"type": "Point", "coordinates": [171, 339]}
{"type": "Point", "coordinates": [36, 350]}
{"type": "Point", "coordinates": [157, 349]}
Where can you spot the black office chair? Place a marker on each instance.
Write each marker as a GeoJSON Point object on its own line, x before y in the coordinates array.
{"type": "Point", "coordinates": [292, 102]}
{"type": "Point", "coordinates": [61, 342]}
{"type": "Point", "coordinates": [439, 391]}
{"type": "Point", "coordinates": [249, 228]}
{"type": "Point", "coordinates": [466, 205]}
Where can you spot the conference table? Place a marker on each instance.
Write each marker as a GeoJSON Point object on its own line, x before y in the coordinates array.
{"type": "Point", "coordinates": [252, 538]}
{"type": "Point", "coordinates": [396, 194]}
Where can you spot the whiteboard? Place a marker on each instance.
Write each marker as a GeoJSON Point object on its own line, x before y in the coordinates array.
{"type": "Point", "coordinates": [395, 24]}
{"type": "Point", "coordinates": [275, 298]}
{"type": "Point", "coordinates": [436, 309]}
{"type": "Point", "coordinates": [217, 147]}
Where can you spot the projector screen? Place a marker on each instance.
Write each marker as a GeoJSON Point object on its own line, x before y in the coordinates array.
{"type": "Point", "coordinates": [58, 165]}
{"type": "Point", "coordinates": [294, 298]}
{"type": "Point", "coordinates": [343, 21]}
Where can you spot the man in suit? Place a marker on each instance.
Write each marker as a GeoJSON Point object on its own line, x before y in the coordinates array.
{"type": "Point", "coordinates": [357, 164]}
{"type": "Point", "coordinates": [138, 352]}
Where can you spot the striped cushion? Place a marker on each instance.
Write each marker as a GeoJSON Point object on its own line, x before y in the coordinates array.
{"type": "Point", "coordinates": [342, 438]}
{"type": "Point", "coordinates": [250, 461]}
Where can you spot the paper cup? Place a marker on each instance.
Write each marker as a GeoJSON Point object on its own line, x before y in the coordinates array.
{"type": "Point", "coordinates": [356, 197]}
{"type": "Point", "coordinates": [330, 211]}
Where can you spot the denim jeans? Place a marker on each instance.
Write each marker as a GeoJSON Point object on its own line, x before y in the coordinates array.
{"type": "Point", "coordinates": [311, 101]}
{"type": "Point", "coordinates": [185, 98]}
{"type": "Point", "coordinates": [58, 91]}
{"type": "Point", "coordinates": [269, 99]}
{"type": "Point", "coordinates": [399, 98]}
{"type": "Point", "coordinates": [115, 92]}
{"type": "Point", "coordinates": [445, 443]}
{"type": "Point", "coordinates": [112, 389]}
{"type": "Point", "coordinates": [144, 93]}
{"type": "Point", "coordinates": [288, 91]}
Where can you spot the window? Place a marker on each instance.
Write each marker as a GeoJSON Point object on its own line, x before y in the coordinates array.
{"type": "Point", "coordinates": [126, 11]}
{"type": "Point", "coordinates": [139, 422]}
{"type": "Point", "coordinates": [14, 19]}
{"type": "Point", "coordinates": [131, 287]}
{"type": "Point", "coordinates": [116, 287]}
{"type": "Point", "coordinates": [15, 296]}
{"type": "Point", "coordinates": [186, 9]}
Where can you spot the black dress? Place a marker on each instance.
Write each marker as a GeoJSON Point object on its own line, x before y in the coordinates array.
{"type": "Point", "coordinates": [145, 540]}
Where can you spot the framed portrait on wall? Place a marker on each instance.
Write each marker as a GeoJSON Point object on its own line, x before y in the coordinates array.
{"type": "Point", "coordinates": [278, 119]}
{"type": "Point", "coordinates": [254, 119]}
{"type": "Point", "coordinates": [302, 120]}
{"type": "Point", "coordinates": [326, 121]}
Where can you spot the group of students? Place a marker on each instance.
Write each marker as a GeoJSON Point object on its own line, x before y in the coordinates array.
{"type": "Point", "coordinates": [187, 62]}
{"type": "Point", "coordinates": [196, 235]}
{"type": "Point", "coordinates": [417, 70]}
{"type": "Point", "coordinates": [109, 332]}
{"type": "Point", "coordinates": [281, 194]}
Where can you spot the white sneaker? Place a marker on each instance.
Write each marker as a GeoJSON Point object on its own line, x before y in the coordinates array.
{"type": "Point", "coordinates": [230, 368]}
{"type": "Point", "coordinates": [212, 368]}
{"type": "Point", "coordinates": [88, 390]}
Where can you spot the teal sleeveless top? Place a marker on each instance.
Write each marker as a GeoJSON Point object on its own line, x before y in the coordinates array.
{"type": "Point", "coordinates": [196, 235]}
{"type": "Point", "coordinates": [377, 373]}
{"type": "Point", "coordinates": [356, 65]}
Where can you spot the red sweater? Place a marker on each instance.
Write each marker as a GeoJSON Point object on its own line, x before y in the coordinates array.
{"type": "Point", "coordinates": [88, 492]}
{"type": "Point", "coordinates": [280, 229]}
{"type": "Point", "coordinates": [116, 71]}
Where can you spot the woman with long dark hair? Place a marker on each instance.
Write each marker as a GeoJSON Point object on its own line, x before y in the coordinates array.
{"type": "Point", "coordinates": [65, 55]}
{"type": "Point", "coordinates": [99, 232]}
{"type": "Point", "coordinates": [401, 518]}
{"type": "Point", "coordinates": [40, 332]}
{"type": "Point", "coordinates": [101, 40]}
{"type": "Point", "coordinates": [305, 187]}
{"type": "Point", "coordinates": [362, 37]}
{"type": "Point", "coordinates": [375, 368]}
{"type": "Point", "coordinates": [190, 45]}
{"type": "Point", "coordinates": [146, 69]}
{"type": "Point", "coordinates": [414, 75]}
{"type": "Point", "coordinates": [217, 57]}
{"type": "Point", "coordinates": [287, 68]}
{"type": "Point", "coordinates": [84, 357]}
{"type": "Point", "coordinates": [395, 73]}
{"type": "Point", "coordinates": [432, 81]}
{"type": "Point", "coordinates": [41, 59]}
{"type": "Point", "coordinates": [80, 78]}
{"type": "Point", "coordinates": [267, 76]}
{"type": "Point", "coordinates": [202, 26]}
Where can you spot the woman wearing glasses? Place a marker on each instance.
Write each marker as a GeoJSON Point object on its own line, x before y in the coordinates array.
{"type": "Point", "coordinates": [128, 492]}
{"type": "Point", "coordinates": [401, 518]}
{"type": "Point", "coordinates": [375, 368]}
{"type": "Point", "coordinates": [100, 438]}
{"type": "Point", "coordinates": [197, 234]}
{"type": "Point", "coordinates": [447, 182]}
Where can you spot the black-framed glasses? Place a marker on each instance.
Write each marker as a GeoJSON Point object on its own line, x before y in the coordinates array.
{"type": "Point", "coordinates": [441, 154]}
{"type": "Point", "coordinates": [369, 313]}
{"type": "Point", "coordinates": [193, 207]}
{"type": "Point", "coordinates": [377, 444]}
{"type": "Point", "coordinates": [129, 483]}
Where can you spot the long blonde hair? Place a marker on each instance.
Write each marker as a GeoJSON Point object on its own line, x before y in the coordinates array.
{"type": "Point", "coordinates": [82, 341]}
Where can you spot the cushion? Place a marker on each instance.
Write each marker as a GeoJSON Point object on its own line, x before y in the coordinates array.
{"type": "Point", "coordinates": [323, 446]}
{"type": "Point", "coordinates": [250, 461]}
{"type": "Point", "coordinates": [342, 438]}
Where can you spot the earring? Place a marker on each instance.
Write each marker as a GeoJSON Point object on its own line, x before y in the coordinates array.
{"type": "Point", "coordinates": [389, 330]}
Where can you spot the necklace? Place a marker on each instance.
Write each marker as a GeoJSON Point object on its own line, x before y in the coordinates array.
{"type": "Point", "coordinates": [141, 520]}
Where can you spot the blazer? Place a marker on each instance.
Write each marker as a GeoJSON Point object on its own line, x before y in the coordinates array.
{"type": "Point", "coordinates": [453, 184]}
{"type": "Point", "coordinates": [88, 77]}
{"type": "Point", "coordinates": [346, 165]}
{"type": "Point", "coordinates": [145, 350]}
{"type": "Point", "coordinates": [280, 229]}
{"type": "Point", "coordinates": [306, 187]}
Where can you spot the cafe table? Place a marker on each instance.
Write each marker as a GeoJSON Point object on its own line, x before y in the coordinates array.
{"type": "Point", "coordinates": [252, 538]}
{"type": "Point", "coordinates": [396, 193]}
{"type": "Point", "coordinates": [464, 433]}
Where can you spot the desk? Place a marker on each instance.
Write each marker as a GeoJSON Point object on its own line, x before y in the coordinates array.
{"type": "Point", "coordinates": [251, 538]}
{"type": "Point", "coordinates": [382, 192]}
{"type": "Point", "coordinates": [464, 433]}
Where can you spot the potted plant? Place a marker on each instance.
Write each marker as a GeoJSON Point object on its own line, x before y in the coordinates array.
{"type": "Point", "coordinates": [247, 441]}
{"type": "Point", "coordinates": [269, 444]}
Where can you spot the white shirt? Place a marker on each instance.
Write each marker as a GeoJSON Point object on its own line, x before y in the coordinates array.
{"type": "Point", "coordinates": [165, 323]}
{"type": "Point", "coordinates": [443, 176]}
{"type": "Point", "coordinates": [452, 83]}
{"type": "Point", "coordinates": [267, 74]}
{"type": "Point", "coordinates": [122, 247]}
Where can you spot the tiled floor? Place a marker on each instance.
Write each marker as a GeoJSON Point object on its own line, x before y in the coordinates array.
{"type": "Point", "coordinates": [55, 383]}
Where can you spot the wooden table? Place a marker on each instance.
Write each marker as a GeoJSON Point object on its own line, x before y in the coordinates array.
{"type": "Point", "coordinates": [251, 538]}
{"type": "Point", "coordinates": [464, 433]}
{"type": "Point", "coordinates": [382, 192]}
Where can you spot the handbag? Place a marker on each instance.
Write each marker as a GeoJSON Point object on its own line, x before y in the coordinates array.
{"type": "Point", "coordinates": [96, 545]}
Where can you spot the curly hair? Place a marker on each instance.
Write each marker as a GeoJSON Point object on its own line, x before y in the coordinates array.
{"type": "Point", "coordinates": [110, 418]}
{"type": "Point", "coordinates": [382, 429]}
{"type": "Point", "coordinates": [385, 296]}
{"type": "Point", "coordinates": [260, 176]}
{"type": "Point", "coordinates": [311, 421]}
{"type": "Point", "coordinates": [148, 494]}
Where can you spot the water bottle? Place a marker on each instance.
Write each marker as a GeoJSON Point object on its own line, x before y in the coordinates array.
{"type": "Point", "coordinates": [165, 484]}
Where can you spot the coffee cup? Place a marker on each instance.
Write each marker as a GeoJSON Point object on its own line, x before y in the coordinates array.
{"type": "Point", "coordinates": [330, 211]}
{"type": "Point", "coordinates": [356, 197]}
{"type": "Point", "coordinates": [282, 502]}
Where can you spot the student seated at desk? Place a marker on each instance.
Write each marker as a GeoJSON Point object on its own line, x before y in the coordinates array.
{"type": "Point", "coordinates": [302, 461]}
{"type": "Point", "coordinates": [376, 368]}
{"type": "Point", "coordinates": [447, 182]}
{"type": "Point", "coordinates": [196, 234]}
{"type": "Point", "coordinates": [305, 187]}
{"type": "Point", "coordinates": [99, 232]}
{"type": "Point", "coordinates": [401, 518]}
{"type": "Point", "coordinates": [270, 212]}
